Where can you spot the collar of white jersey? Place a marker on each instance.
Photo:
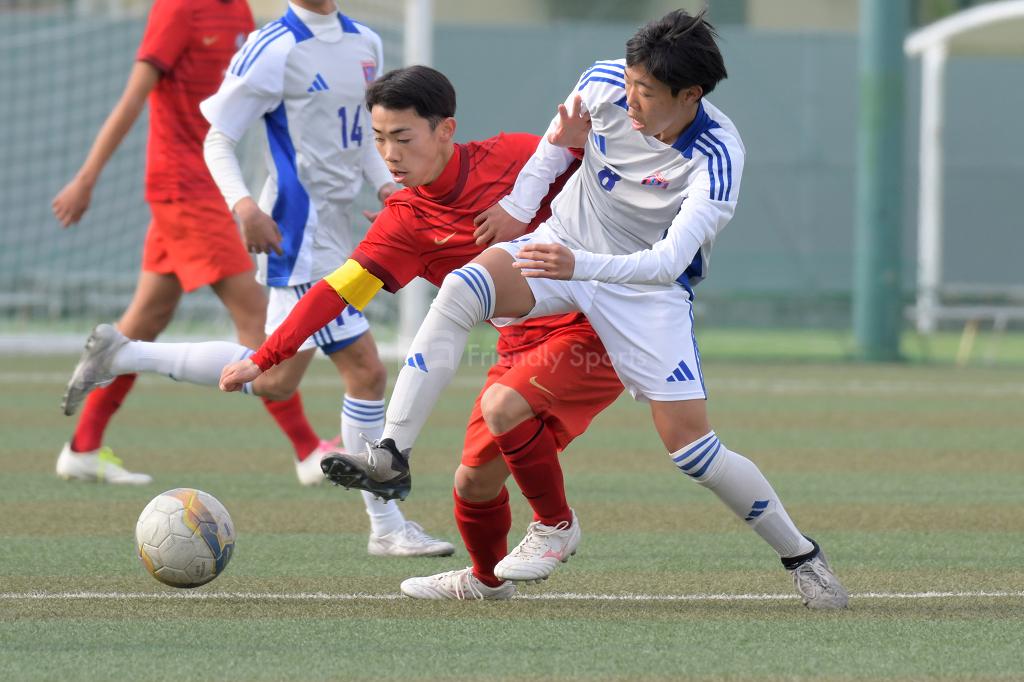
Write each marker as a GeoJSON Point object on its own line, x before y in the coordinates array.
{"type": "Point", "coordinates": [329, 28]}
{"type": "Point", "coordinates": [700, 125]}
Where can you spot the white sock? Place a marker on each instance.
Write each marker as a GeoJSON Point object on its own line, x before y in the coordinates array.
{"type": "Point", "coordinates": [466, 297]}
{"type": "Point", "coordinates": [194, 363]}
{"type": "Point", "coordinates": [743, 488]}
{"type": "Point", "coordinates": [366, 417]}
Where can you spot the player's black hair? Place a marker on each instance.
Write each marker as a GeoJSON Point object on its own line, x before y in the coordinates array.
{"type": "Point", "coordinates": [422, 88]}
{"type": "Point", "coordinates": [679, 50]}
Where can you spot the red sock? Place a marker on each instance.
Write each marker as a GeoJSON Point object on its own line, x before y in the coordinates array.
{"type": "Point", "coordinates": [290, 416]}
{"type": "Point", "coordinates": [532, 457]}
{"type": "Point", "coordinates": [484, 527]}
{"type": "Point", "coordinates": [100, 406]}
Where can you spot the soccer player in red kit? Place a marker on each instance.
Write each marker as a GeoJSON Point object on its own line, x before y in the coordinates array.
{"type": "Point", "coordinates": [536, 400]}
{"type": "Point", "coordinates": [192, 240]}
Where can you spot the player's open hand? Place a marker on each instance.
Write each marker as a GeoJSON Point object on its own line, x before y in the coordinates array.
{"type": "Point", "coordinates": [573, 125]}
{"type": "Point", "coordinates": [551, 261]}
{"type": "Point", "coordinates": [72, 202]}
{"type": "Point", "coordinates": [236, 375]}
{"type": "Point", "coordinates": [259, 231]}
{"type": "Point", "coordinates": [495, 225]}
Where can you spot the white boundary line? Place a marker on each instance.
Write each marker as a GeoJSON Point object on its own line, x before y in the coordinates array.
{"type": "Point", "coordinates": [551, 596]}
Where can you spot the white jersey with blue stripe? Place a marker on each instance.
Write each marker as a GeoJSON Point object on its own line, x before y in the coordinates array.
{"type": "Point", "coordinates": [305, 75]}
{"type": "Point", "coordinates": [638, 210]}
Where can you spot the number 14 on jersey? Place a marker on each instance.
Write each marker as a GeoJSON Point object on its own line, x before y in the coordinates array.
{"type": "Point", "coordinates": [356, 134]}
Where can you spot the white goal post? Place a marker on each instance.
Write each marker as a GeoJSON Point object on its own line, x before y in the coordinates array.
{"type": "Point", "coordinates": [414, 299]}
{"type": "Point", "coordinates": [993, 29]}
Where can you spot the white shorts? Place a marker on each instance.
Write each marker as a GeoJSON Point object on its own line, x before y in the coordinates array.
{"type": "Point", "coordinates": [647, 329]}
{"type": "Point", "coordinates": [338, 333]}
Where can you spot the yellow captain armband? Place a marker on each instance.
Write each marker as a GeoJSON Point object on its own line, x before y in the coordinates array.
{"type": "Point", "coordinates": [354, 283]}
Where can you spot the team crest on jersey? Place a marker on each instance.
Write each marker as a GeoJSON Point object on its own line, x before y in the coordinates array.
{"type": "Point", "coordinates": [656, 180]}
{"type": "Point", "coordinates": [370, 71]}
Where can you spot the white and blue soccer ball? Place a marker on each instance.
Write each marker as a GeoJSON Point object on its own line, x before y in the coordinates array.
{"type": "Point", "coordinates": [185, 537]}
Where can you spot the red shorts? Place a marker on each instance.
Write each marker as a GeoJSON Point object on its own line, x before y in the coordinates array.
{"type": "Point", "coordinates": [567, 380]}
{"type": "Point", "coordinates": [195, 240]}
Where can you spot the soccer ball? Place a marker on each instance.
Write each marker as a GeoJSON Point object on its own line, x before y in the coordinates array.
{"type": "Point", "coordinates": [185, 537]}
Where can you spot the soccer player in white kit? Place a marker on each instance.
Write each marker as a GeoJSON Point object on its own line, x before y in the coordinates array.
{"type": "Point", "coordinates": [629, 237]}
{"type": "Point", "coordinates": [305, 75]}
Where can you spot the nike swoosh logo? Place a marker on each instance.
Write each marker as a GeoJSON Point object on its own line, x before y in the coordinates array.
{"type": "Point", "coordinates": [441, 242]}
{"type": "Point", "coordinates": [209, 40]}
{"type": "Point", "coordinates": [533, 382]}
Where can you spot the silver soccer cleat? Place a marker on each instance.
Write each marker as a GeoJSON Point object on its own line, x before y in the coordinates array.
{"type": "Point", "coordinates": [93, 368]}
{"type": "Point", "coordinates": [381, 470]}
{"type": "Point", "coordinates": [817, 583]}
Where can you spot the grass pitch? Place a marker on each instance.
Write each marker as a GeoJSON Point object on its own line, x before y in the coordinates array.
{"type": "Point", "coordinates": [910, 476]}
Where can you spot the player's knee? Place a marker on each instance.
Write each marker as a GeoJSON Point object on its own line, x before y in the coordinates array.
{"type": "Point", "coordinates": [466, 296]}
{"type": "Point", "coordinates": [478, 484]}
{"type": "Point", "coordinates": [503, 408]}
{"type": "Point", "coordinates": [367, 379]}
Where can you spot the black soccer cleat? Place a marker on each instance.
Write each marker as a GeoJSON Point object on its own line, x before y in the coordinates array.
{"type": "Point", "coordinates": [381, 470]}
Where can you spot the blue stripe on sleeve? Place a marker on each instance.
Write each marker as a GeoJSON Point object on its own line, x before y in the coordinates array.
{"type": "Point", "coordinates": [257, 51]}
{"type": "Point", "coordinates": [718, 162]}
{"type": "Point", "coordinates": [711, 166]}
{"type": "Point", "coordinates": [617, 74]}
{"type": "Point", "coordinates": [728, 161]}
{"type": "Point", "coordinates": [600, 79]}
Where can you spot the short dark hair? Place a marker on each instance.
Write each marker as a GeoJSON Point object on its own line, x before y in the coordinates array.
{"type": "Point", "coordinates": [679, 50]}
{"type": "Point", "coordinates": [422, 88]}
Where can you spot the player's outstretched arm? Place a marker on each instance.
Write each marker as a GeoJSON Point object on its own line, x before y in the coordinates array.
{"type": "Point", "coordinates": [73, 200]}
{"type": "Point", "coordinates": [349, 284]}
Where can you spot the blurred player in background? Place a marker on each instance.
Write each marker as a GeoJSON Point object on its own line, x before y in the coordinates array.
{"type": "Point", "coordinates": [192, 241]}
{"type": "Point", "coordinates": [533, 402]}
{"type": "Point", "coordinates": [305, 76]}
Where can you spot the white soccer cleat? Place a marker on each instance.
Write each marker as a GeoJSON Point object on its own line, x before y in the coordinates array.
{"type": "Point", "coordinates": [409, 540]}
{"type": "Point", "coordinates": [93, 368]}
{"type": "Point", "coordinates": [308, 470]}
{"type": "Point", "coordinates": [460, 585]}
{"type": "Point", "coordinates": [818, 585]}
{"type": "Point", "coordinates": [99, 466]}
{"type": "Point", "coordinates": [543, 548]}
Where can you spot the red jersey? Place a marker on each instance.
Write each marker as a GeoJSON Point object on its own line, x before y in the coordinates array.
{"type": "Point", "coordinates": [428, 231]}
{"type": "Point", "coordinates": [190, 42]}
